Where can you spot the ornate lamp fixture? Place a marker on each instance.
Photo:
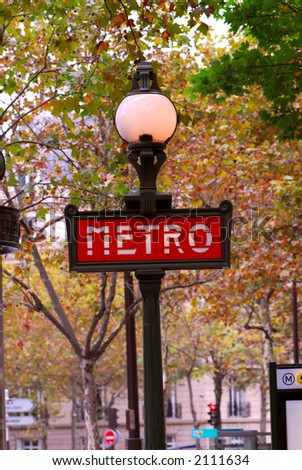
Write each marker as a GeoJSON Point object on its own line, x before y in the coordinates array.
{"type": "Point", "coordinates": [146, 119]}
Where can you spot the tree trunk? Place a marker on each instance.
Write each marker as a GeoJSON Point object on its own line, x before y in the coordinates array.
{"type": "Point", "coordinates": [268, 356]}
{"type": "Point", "coordinates": [73, 415]}
{"type": "Point", "coordinates": [218, 379]}
{"type": "Point", "coordinates": [90, 404]}
{"type": "Point", "coordinates": [196, 423]}
{"type": "Point", "coordinates": [73, 426]}
{"type": "Point", "coordinates": [263, 411]}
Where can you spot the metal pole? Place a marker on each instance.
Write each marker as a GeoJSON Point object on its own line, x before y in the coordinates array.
{"type": "Point", "coordinates": [134, 441]}
{"type": "Point", "coordinates": [295, 321]}
{"type": "Point", "coordinates": [150, 284]}
{"type": "Point", "coordinates": [2, 379]}
{"type": "Point", "coordinates": [151, 157]}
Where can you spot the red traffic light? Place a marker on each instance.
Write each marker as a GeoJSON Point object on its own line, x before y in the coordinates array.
{"type": "Point", "coordinates": [214, 412]}
{"type": "Point", "coordinates": [212, 406]}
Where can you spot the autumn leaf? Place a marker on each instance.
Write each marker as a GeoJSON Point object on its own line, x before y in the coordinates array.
{"type": "Point", "coordinates": [102, 46]}
{"type": "Point", "coordinates": [161, 5]}
{"type": "Point", "coordinates": [166, 35]}
{"type": "Point", "coordinates": [26, 325]}
{"type": "Point", "coordinates": [131, 23]}
{"type": "Point", "coordinates": [119, 19]}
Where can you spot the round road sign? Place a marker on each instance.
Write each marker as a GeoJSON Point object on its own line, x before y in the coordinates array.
{"type": "Point", "coordinates": [299, 378]}
{"type": "Point", "coordinates": [110, 437]}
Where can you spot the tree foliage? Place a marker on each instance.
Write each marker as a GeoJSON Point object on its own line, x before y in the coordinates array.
{"type": "Point", "coordinates": [66, 66]}
{"type": "Point", "coordinates": [268, 54]}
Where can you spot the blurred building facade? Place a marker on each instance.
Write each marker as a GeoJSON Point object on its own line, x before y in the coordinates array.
{"type": "Point", "coordinates": [240, 410]}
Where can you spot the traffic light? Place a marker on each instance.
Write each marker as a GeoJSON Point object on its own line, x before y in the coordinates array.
{"type": "Point", "coordinates": [213, 413]}
{"type": "Point", "coordinates": [112, 418]}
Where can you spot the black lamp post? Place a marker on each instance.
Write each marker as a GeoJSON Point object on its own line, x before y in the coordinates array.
{"type": "Point", "coordinates": [9, 242]}
{"type": "Point", "coordinates": [146, 119]}
{"type": "Point", "coordinates": [138, 238]}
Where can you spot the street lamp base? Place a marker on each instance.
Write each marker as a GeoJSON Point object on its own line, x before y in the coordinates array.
{"type": "Point", "coordinates": [134, 443]}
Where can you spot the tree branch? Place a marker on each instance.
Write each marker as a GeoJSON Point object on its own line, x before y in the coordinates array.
{"type": "Point", "coordinates": [14, 124]}
{"type": "Point", "coordinates": [140, 53]}
{"type": "Point", "coordinates": [42, 144]}
{"type": "Point", "coordinates": [98, 316]}
{"type": "Point", "coordinates": [35, 75]}
{"type": "Point", "coordinates": [69, 332]}
{"type": "Point", "coordinates": [37, 304]}
{"type": "Point", "coordinates": [247, 326]}
{"type": "Point", "coordinates": [129, 312]}
{"type": "Point", "coordinates": [191, 284]}
{"type": "Point", "coordinates": [106, 304]}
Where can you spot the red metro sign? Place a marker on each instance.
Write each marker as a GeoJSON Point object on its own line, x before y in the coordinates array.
{"type": "Point", "coordinates": [122, 241]}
